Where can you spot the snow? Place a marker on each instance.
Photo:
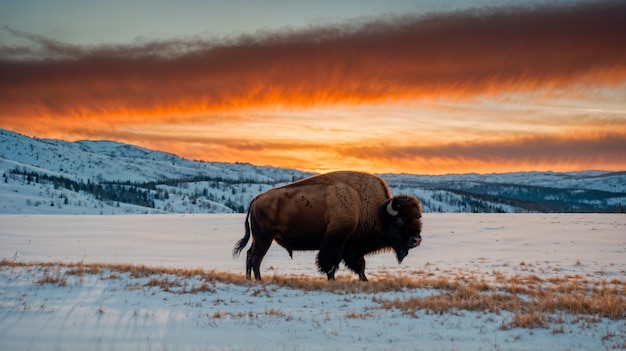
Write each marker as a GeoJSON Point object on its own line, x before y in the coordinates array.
{"type": "Point", "coordinates": [214, 187]}
{"type": "Point", "coordinates": [102, 160]}
{"type": "Point", "coordinates": [112, 310]}
{"type": "Point", "coordinates": [118, 311]}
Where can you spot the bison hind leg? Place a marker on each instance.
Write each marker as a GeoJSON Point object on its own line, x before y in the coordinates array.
{"type": "Point", "coordinates": [249, 263]}
{"type": "Point", "coordinates": [255, 256]}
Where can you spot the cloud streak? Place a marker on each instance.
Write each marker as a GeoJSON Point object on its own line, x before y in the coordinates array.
{"type": "Point", "coordinates": [393, 59]}
{"type": "Point", "coordinates": [530, 149]}
{"type": "Point", "coordinates": [397, 58]}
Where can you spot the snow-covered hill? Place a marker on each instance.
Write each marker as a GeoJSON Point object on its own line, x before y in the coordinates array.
{"type": "Point", "coordinates": [586, 191]}
{"type": "Point", "coordinates": [45, 176]}
{"type": "Point", "coordinates": [98, 177]}
{"type": "Point", "coordinates": [112, 161]}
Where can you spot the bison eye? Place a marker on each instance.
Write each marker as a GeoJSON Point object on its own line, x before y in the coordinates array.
{"type": "Point", "coordinates": [400, 222]}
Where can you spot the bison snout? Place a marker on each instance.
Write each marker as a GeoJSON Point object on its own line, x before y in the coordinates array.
{"type": "Point", "coordinates": [414, 241]}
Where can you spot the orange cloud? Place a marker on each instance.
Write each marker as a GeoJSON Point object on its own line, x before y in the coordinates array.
{"type": "Point", "coordinates": [234, 87]}
{"type": "Point", "coordinates": [604, 148]}
{"type": "Point", "coordinates": [558, 152]}
{"type": "Point", "coordinates": [450, 55]}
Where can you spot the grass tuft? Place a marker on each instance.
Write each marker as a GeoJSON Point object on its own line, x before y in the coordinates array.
{"type": "Point", "coordinates": [533, 302]}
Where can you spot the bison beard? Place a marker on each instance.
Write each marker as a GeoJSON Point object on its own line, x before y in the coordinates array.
{"type": "Point", "coordinates": [344, 215]}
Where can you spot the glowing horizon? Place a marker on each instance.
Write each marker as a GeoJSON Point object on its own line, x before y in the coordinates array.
{"type": "Point", "coordinates": [483, 91]}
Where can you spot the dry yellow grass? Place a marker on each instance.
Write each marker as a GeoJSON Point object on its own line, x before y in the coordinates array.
{"type": "Point", "coordinates": [532, 301]}
{"type": "Point", "coordinates": [52, 278]}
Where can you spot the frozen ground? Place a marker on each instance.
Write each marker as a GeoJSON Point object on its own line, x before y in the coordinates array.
{"type": "Point", "coordinates": [51, 308]}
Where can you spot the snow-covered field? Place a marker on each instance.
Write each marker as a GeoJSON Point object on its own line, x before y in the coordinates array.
{"type": "Point", "coordinates": [45, 307]}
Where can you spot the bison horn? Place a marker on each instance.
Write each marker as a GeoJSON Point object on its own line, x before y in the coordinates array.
{"type": "Point", "coordinates": [390, 209]}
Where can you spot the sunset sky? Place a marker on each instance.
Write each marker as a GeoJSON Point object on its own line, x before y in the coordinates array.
{"type": "Point", "coordinates": [426, 87]}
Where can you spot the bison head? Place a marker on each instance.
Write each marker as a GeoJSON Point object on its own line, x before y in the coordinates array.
{"type": "Point", "coordinates": [402, 217]}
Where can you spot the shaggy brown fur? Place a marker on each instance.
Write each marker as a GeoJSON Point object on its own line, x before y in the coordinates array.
{"type": "Point", "coordinates": [345, 215]}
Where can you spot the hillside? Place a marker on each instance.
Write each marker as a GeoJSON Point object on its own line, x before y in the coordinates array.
{"type": "Point", "coordinates": [104, 177]}
{"type": "Point", "coordinates": [588, 191]}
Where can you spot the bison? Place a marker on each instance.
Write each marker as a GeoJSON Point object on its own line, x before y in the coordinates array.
{"type": "Point", "coordinates": [345, 215]}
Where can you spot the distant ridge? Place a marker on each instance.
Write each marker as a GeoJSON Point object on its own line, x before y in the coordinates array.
{"type": "Point", "coordinates": [108, 177]}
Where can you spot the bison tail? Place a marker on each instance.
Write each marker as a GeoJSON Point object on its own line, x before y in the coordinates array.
{"type": "Point", "coordinates": [244, 241]}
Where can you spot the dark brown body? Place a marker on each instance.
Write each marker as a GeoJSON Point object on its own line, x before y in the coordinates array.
{"type": "Point", "coordinates": [344, 215]}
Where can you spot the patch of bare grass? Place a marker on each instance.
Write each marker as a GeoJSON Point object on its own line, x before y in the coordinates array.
{"type": "Point", "coordinates": [532, 301]}
{"type": "Point", "coordinates": [55, 278]}
{"type": "Point", "coordinates": [268, 312]}
{"type": "Point", "coordinates": [359, 315]}
{"type": "Point", "coordinates": [529, 320]}
{"type": "Point", "coordinates": [349, 285]}
{"type": "Point", "coordinates": [467, 297]}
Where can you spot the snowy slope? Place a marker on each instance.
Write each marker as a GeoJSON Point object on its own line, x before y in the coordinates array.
{"type": "Point", "coordinates": [102, 162]}
{"type": "Point", "coordinates": [113, 161]}
{"type": "Point", "coordinates": [106, 177]}
{"type": "Point", "coordinates": [586, 191]}
{"type": "Point", "coordinates": [594, 180]}
{"type": "Point", "coordinates": [50, 307]}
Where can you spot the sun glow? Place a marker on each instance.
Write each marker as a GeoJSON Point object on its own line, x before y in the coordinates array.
{"type": "Point", "coordinates": [434, 94]}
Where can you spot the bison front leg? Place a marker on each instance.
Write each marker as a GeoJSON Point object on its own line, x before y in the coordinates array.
{"type": "Point", "coordinates": [358, 266]}
{"type": "Point", "coordinates": [356, 263]}
{"type": "Point", "coordinates": [329, 257]}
